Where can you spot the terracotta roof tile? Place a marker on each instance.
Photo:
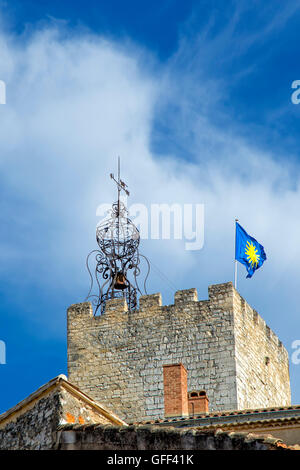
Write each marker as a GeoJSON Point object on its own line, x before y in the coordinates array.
{"type": "Point", "coordinates": [220, 414]}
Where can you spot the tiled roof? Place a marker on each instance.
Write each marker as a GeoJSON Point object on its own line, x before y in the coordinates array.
{"type": "Point", "coordinates": [237, 417]}
{"type": "Point", "coordinates": [247, 437]}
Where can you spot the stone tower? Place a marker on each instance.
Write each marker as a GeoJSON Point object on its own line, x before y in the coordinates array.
{"type": "Point", "coordinates": [225, 346]}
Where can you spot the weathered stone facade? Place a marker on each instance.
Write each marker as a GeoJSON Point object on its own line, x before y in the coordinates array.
{"type": "Point", "coordinates": [32, 424]}
{"type": "Point", "coordinates": [226, 347]}
{"type": "Point", "coordinates": [262, 365]}
{"type": "Point", "coordinates": [157, 439]}
{"type": "Point", "coordinates": [35, 429]}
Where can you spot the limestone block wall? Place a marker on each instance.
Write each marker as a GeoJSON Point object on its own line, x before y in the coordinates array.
{"type": "Point", "coordinates": [262, 363]}
{"type": "Point", "coordinates": [117, 358]}
{"type": "Point", "coordinates": [35, 428]}
{"type": "Point", "coordinates": [32, 424]}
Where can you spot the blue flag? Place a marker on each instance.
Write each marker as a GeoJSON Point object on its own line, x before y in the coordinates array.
{"type": "Point", "coordinates": [248, 251]}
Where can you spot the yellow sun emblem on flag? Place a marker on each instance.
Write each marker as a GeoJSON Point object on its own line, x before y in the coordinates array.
{"type": "Point", "coordinates": [252, 254]}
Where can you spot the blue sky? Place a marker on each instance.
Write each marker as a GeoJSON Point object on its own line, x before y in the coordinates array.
{"type": "Point", "coordinates": [196, 98]}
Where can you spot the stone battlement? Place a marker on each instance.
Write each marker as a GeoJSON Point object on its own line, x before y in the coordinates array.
{"type": "Point", "coordinates": [219, 294]}
{"type": "Point", "coordinates": [226, 347]}
{"type": "Point", "coordinates": [250, 315]}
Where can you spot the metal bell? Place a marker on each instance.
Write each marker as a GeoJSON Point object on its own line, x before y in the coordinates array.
{"type": "Point", "coordinates": [120, 282]}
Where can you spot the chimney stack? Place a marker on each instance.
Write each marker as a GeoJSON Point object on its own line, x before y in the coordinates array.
{"type": "Point", "coordinates": [198, 402]}
{"type": "Point", "coordinates": [175, 390]}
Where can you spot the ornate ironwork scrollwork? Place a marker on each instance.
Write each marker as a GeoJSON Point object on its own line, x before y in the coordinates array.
{"type": "Point", "coordinates": [117, 261]}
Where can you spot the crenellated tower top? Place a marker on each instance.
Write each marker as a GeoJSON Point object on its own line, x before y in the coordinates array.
{"type": "Point", "coordinates": [223, 343]}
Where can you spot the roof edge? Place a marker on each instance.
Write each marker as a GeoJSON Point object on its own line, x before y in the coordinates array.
{"type": "Point", "coordinates": [60, 380]}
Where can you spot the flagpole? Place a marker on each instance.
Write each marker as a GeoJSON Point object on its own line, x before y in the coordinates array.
{"type": "Point", "coordinates": [235, 261]}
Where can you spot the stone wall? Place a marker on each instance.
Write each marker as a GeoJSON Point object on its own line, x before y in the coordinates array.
{"type": "Point", "coordinates": [35, 429]}
{"type": "Point", "coordinates": [117, 358]}
{"type": "Point", "coordinates": [262, 363]}
{"type": "Point", "coordinates": [157, 439]}
{"type": "Point", "coordinates": [33, 423]}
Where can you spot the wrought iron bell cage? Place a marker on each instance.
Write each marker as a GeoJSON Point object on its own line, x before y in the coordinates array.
{"type": "Point", "coordinates": [117, 261]}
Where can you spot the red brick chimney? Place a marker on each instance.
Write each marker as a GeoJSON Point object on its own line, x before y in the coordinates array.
{"type": "Point", "coordinates": [175, 390]}
{"type": "Point", "coordinates": [198, 402]}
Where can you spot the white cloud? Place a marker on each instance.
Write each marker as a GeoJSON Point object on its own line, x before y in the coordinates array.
{"type": "Point", "coordinates": [76, 102]}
